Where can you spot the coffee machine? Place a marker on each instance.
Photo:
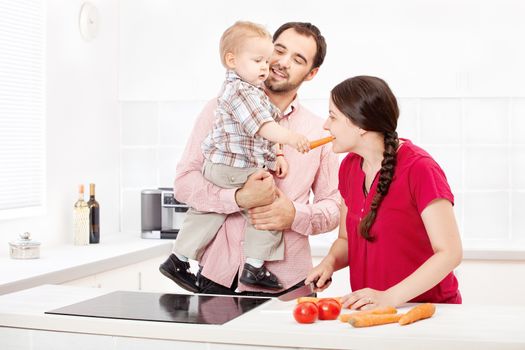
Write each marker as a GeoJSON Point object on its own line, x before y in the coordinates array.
{"type": "Point", "coordinates": [161, 214]}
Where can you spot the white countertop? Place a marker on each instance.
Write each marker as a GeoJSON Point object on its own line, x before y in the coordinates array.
{"type": "Point", "coordinates": [272, 324]}
{"type": "Point", "coordinates": [69, 262]}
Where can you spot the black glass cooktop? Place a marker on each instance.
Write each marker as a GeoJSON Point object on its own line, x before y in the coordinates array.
{"type": "Point", "coordinates": [180, 308]}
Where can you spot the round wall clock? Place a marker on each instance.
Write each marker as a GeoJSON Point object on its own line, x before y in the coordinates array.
{"type": "Point", "coordinates": [88, 21]}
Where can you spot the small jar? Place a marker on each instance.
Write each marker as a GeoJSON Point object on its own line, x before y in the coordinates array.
{"type": "Point", "coordinates": [24, 247]}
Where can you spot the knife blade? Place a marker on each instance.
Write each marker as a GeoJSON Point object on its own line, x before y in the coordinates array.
{"type": "Point", "coordinates": [306, 290]}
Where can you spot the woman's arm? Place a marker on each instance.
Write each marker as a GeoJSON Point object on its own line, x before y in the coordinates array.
{"type": "Point", "coordinates": [337, 257]}
{"type": "Point", "coordinates": [440, 224]}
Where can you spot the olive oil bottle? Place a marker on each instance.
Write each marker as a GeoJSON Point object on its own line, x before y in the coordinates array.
{"type": "Point", "coordinates": [81, 219]}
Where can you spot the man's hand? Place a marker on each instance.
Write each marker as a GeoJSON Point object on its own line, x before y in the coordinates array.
{"type": "Point", "coordinates": [276, 216]}
{"type": "Point", "coordinates": [259, 190]}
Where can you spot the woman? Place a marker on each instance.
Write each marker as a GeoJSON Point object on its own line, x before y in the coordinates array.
{"type": "Point", "coordinates": [398, 233]}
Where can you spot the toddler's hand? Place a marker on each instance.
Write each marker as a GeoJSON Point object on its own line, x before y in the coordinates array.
{"type": "Point", "coordinates": [281, 167]}
{"type": "Point", "coordinates": [300, 143]}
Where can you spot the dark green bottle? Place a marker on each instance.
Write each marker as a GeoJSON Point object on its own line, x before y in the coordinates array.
{"type": "Point", "coordinates": [94, 216]}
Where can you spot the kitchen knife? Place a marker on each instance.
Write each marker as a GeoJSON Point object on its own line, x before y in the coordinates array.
{"type": "Point", "coordinates": [307, 289]}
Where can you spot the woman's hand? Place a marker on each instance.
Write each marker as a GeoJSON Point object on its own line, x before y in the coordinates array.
{"type": "Point", "coordinates": [320, 275]}
{"type": "Point", "coordinates": [367, 298]}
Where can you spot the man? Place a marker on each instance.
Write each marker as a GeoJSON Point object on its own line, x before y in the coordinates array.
{"type": "Point", "coordinates": [280, 204]}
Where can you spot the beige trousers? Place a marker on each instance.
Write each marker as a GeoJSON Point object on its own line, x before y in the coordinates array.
{"type": "Point", "coordinates": [199, 228]}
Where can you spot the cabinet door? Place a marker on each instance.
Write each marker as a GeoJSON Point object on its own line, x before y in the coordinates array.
{"type": "Point", "coordinates": [124, 278]}
{"type": "Point", "coordinates": [151, 280]}
{"type": "Point", "coordinates": [89, 282]}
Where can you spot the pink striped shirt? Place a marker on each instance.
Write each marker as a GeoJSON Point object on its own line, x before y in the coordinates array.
{"type": "Point", "coordinates": [316, 171]}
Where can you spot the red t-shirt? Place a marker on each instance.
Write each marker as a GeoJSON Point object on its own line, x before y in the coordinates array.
{"type": "Point", "coordinates": [401, 242]}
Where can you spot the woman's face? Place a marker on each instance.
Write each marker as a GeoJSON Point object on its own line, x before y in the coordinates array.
{"type": "Point", "coordinates": [347, 135]}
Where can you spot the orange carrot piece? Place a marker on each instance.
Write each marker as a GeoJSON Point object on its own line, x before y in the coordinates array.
{"type": "Point", "coordinates": [316, 300]}
{"type": "Point", "coordinates": [338, 299]}
{"type": "Point", "coordinates": [417, 313]}
{"type": "Point", "coordinates": [374, 320]}
{"type": "Point", "coordinates": [320, 142]}
{"type": "Point", "coordinates": [378, 311]}
{"type": "Point", "coordinates": [305, 299]}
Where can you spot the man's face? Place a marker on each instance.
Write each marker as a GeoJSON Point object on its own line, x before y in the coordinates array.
{"type": "Point", "coordinates": [291, 62]}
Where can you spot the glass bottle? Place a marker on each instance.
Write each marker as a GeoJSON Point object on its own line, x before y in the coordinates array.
{"type": "Point", "coordinates": [81, 219]}
{"type": "Point", "coordinates": [94, 216]}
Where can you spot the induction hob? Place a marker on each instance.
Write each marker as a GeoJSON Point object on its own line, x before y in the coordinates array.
{"type": "Point", "coordinates": [179, 308]}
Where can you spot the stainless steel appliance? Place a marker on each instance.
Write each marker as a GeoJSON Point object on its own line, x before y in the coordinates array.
{"type": "Point", "coordinates": [161, 214]}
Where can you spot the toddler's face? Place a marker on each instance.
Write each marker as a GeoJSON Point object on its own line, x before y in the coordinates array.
{"type": "Point", "coordinates": [252, 60]}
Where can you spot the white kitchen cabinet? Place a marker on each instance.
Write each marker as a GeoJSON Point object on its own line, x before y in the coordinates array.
{"type": "Point", "coordinates": [144, 276]}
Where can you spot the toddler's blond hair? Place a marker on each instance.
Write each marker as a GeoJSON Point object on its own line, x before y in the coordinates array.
{"type": "Point", "coordinates": [233, 38]}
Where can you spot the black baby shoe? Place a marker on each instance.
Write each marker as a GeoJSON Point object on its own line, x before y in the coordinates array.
{"type": "Point", "coordinates": [179, 272]}
{"type": "Point", "coordinates": [260, 277]}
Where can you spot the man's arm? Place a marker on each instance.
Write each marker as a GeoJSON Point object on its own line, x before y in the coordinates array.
{"type": "Point", "coordinates": [307, 219]}
{"type": "Point", "coordinates": [323, 214]}
{"type": "Point", "coordinates": [193, 189]}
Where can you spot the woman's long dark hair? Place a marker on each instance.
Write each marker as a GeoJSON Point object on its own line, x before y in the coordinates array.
{"type": "Point", "coordinates": [370, 104]}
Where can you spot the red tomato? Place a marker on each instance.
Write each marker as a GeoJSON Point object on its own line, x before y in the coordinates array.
{"type": "Point", "coordinates": [306, 312]}
{"type": "Point", "coordinates": [329, 309]}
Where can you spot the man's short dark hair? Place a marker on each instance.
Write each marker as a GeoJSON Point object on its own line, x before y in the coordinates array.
{"type": "Point", "coordinates": [307, 29]}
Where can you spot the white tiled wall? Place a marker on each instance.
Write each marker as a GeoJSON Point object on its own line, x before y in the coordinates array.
{"type": "Point", "coordinates": [480, 143]}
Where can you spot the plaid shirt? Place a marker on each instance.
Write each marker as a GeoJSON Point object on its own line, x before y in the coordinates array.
{"type": "Point", "coordinates": [241, 111]}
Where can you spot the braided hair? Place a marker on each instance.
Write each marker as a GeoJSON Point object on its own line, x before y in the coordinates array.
{"type": "Point", "coordinates": [370, 104]}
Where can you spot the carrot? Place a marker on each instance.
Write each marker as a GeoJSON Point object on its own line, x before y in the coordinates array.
{"type": "Point", "coordinates": [417, 313]}
{"type": "Point", "coordinates": [305, 299]}
{"type": "Point", "coordinates": [378, 311]}
{"type": "Point", "coordinates": [320, 142]}
{"type": "Point", "coordinates": [374, 320]}
{"type": "Point", "coordinates": [316, 300]}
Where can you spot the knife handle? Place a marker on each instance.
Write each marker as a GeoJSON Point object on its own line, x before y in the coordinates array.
{"type": "Point", "coordinates": [314, 282]}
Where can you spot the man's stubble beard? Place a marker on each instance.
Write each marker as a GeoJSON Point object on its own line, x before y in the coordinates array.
{"type": "Point", "coordinates": [276, 88]}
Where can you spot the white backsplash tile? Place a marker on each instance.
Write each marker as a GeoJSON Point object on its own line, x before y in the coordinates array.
{"type": "Point", "coordinates": [469, 138]}
{"type": "Point", "coordinates": [449, 159]}
{"type": "Point", "coordinates": [317, 106]}
{"type": "Point", "coordinates": [486, 216]}
{"type": "Point", "coordinates": [168, 159]}
{"type": "Point", "coordinates": [486, 121]}
{"type": "Point", "coordinates": [459, 205]}
{"type": "Point", "coordinates": [518, 212]}
{"type": "Point", "coordinates": [517, 163]}
{"type": "Point", "coordinates": [518, 120]}
{"type": "Point", "coordinates": [486, 168]}
{"type": "Point", "coordinates": [440, 121]}
{"type": "Point", "coordinates": [131, 214]}
{"type": "Point", "coordinates": [408, 124]}
{"type": "Point", "coordinates": [176, 121]}
{"type": "Point", "coordinates": [139, 167]}
{"type": "Point", "coordinates": [140, 123]}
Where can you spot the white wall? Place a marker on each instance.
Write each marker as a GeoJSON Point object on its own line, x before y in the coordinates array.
{"type": "Point", "coordinates": [455, 66]}
{"type": "Point", "coordinates": [81, 120]}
